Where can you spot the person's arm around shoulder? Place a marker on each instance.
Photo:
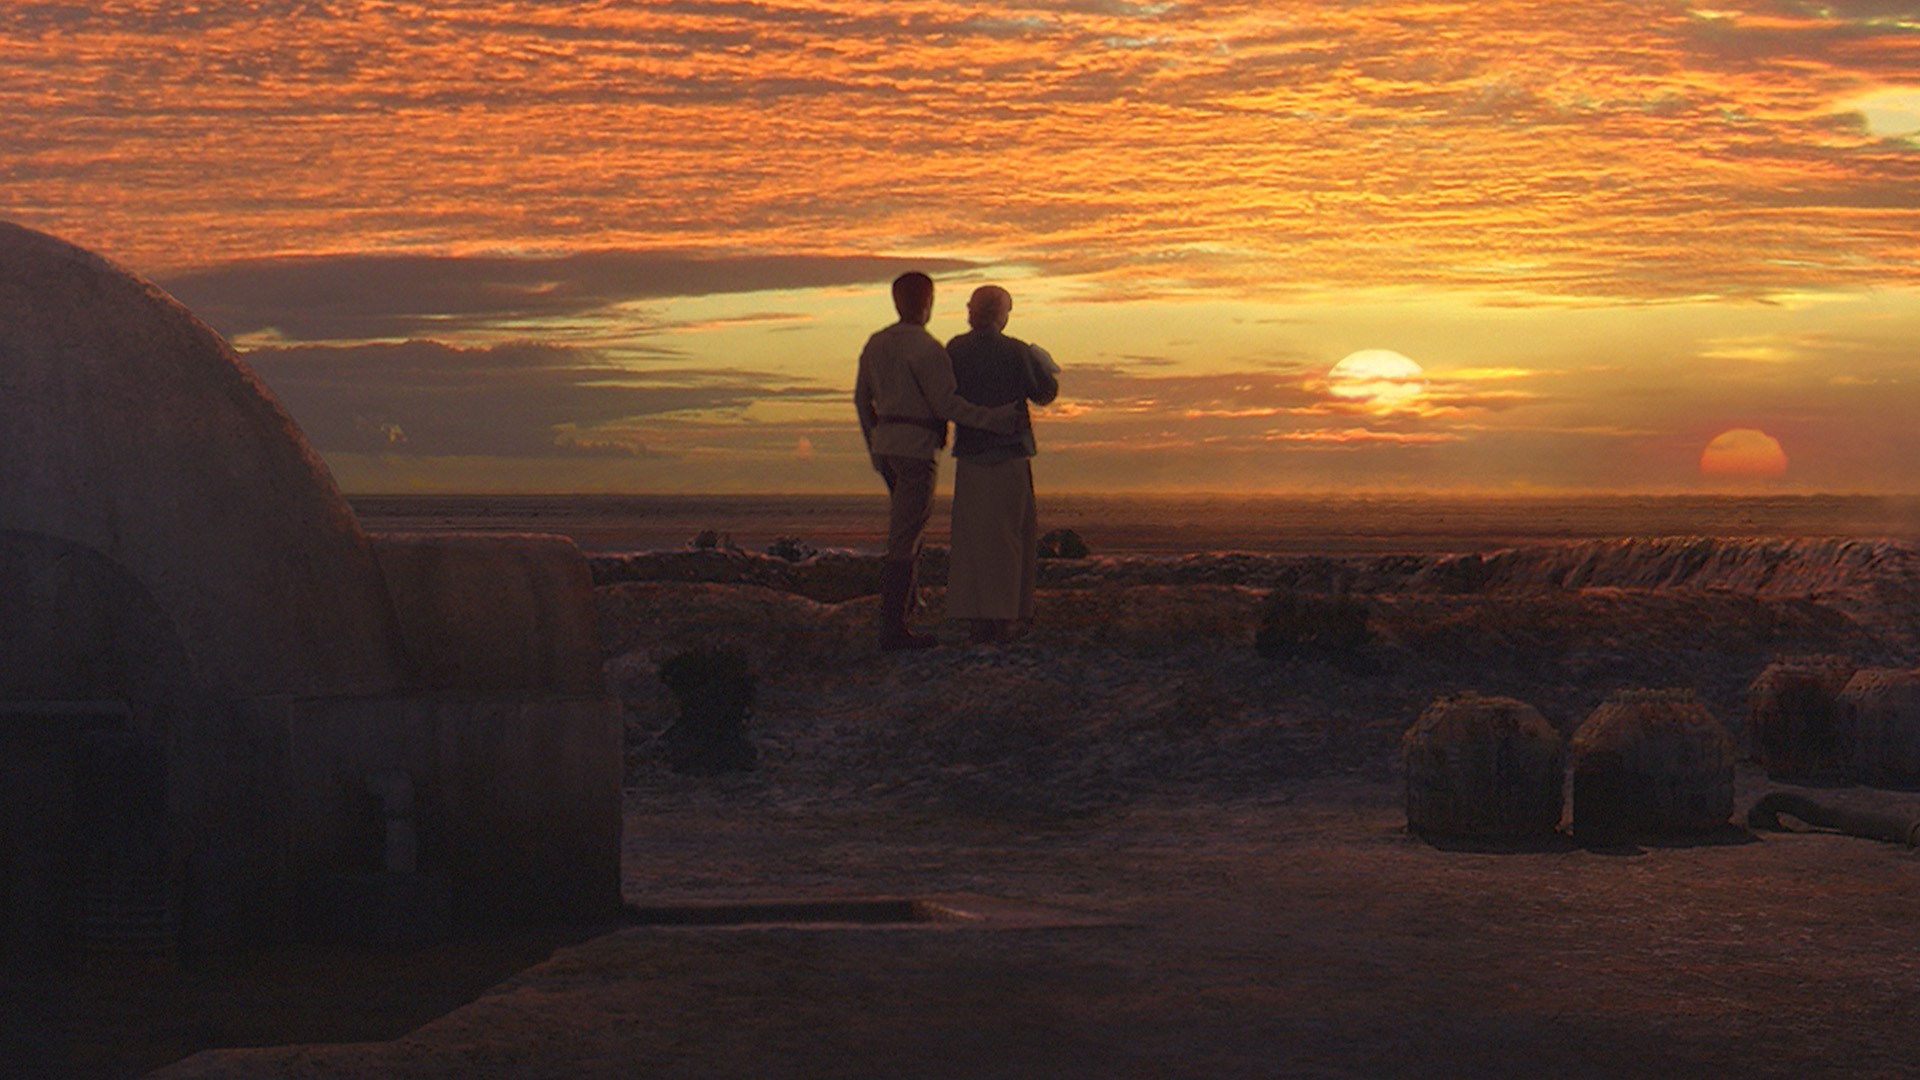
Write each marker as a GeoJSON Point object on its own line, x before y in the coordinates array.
{"type": "Point", "coordinates": [934, 370]}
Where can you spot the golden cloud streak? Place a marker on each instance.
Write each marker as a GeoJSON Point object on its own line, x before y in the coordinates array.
{"type": "Point", "coordinates": [1488, 374]}
{"type": "Point", "coordinates": [1349, 436]}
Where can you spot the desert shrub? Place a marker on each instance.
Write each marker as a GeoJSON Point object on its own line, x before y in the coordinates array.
{"type": "Point", "coordinates": [715, 691]}
{"type": "Point", "coordinates": [1294, 623]}
{"type": "Point", "coordinates": [791, 548]}
{"type": "Point", "coordinates": [709, 540]}
{"type": "Point", "coordinates": [1063, 544]}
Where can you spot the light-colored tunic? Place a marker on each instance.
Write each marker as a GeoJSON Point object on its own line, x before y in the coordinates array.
{"type": "Point", "coordinates": [905, 374]}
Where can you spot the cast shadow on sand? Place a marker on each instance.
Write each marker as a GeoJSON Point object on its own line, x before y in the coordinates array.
{"type": "Point", "coordinates": [1561, 843]}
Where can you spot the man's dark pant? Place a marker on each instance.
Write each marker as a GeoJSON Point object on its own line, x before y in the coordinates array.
{"type": "Point", "coordinates": [910, 483]}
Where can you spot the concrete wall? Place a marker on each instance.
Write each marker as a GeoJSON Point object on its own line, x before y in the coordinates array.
{"type": "Point", "coordinates": [76, 625]}
{"type": "Point", "coordinates": [517, 802]}
{"type": "Point", "coordinates": [513, 749]}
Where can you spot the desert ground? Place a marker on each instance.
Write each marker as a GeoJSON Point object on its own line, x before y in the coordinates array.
{"type": "Point", "coordinates": [1205, 847]}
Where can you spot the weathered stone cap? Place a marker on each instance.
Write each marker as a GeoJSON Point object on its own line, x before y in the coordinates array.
{"type": "Point", "coordinates": [128, 426]}
{"type": "Point", "coordinates": [506, 614]}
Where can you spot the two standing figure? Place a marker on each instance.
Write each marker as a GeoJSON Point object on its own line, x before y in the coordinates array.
{"type": "Point", "coordinates": [907, 389]}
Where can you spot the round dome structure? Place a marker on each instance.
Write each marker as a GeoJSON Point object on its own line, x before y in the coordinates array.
{"type": "Point", "coordinates": [1483, 766]}
{"type": "Point", "coordinates": [130, 428]}
{"type": "Point", "coordinates": [1880, 728]}
{"type": "Point", "coordinates": [1650, 762]}
{"type": "Point", "coordinates": [1793, 710]}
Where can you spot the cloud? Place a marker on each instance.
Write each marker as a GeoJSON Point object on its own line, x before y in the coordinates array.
{"type": "Point", "coordinates": [1113, 409]}
{"type": "Point", "coordinates": [784, 320]}
{"type": "Point", "coordinates": [1108, 390]}
{"type": "Point", "coordinates": [1891, 112]}
{"type": "Point", "coordinates": [1482, 374]}
{"type": "Point", "coordinates": [1600, 151]}
{"type": "Point", "coordinates": [571, 443]}
{"type": "Point", "coordinates": [1753, 349]}
{"type": "Point", "coordinates": [354, 297]}
{"type": "Point", "coordinates": [1841, 12]}
{"type": "Point", "coordinates": [425, 399]}
{"type": "Point", "coordinates": [1442, 394]}
{"type": "Point", "coordinates": [1353, 436]}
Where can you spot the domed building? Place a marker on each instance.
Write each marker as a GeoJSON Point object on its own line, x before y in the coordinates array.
{"type": "Point", "coordinates": [405, 723]}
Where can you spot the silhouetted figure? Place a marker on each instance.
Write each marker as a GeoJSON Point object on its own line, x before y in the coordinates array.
{"type": "Point", "coordinates": [905, 395]}
{"type": "Point", "coordinates": [995, 523]}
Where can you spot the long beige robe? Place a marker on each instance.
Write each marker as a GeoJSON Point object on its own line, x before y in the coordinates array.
{"type": "Point", "coordinates": [996, 529]}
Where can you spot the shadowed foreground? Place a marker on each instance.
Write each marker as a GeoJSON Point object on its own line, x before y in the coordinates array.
{"type": "Point", "coordinates": [1302, 935]}
{"type": "Point", "coordinates": [1240, 820]}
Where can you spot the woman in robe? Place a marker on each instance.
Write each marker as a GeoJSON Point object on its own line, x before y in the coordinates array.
{"type": "Point", "coordinates": [995, 523]}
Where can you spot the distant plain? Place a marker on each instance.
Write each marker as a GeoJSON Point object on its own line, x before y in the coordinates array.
{"type": "Point", "coordinates": [1166, 524]}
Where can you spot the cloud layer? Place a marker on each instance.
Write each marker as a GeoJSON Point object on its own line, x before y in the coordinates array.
{"type": "Point", "coordinates": [366, 296]}
{"type": "Point", "coordinates": [1613, 148]}
{"type": "Point", "coordinates": [459, 234]}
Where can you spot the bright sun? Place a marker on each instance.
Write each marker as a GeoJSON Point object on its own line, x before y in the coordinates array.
{"type": "Point", "coordinates": [1743, 452]}
{"type": "Point", "coordinates": [1378, 377]}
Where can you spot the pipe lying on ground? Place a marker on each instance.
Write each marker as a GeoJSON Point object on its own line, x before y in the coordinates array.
{"type": "Point", "coordinates": [1765, 815]}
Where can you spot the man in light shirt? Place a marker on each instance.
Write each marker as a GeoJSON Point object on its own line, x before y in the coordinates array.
{"type": "Point", "coordinates": [905, 395]}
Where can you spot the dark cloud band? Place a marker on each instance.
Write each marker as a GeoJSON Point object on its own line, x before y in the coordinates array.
{"type": "Point", "coordinates": [517, 400]}
{"type": "Point", "coordinates": [373, 297]}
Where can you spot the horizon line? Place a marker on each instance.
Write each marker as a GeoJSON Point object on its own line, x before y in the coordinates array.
{"type": "Point", "coordinates": [1160, 493]}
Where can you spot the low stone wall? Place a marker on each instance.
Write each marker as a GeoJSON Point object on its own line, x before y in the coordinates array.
{"type": "Point", "coordinates": [516, 803]}
{"type": "Point", "coordinates": [493, 613]}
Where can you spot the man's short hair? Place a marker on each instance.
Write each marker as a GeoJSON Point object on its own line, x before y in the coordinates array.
{"type": "Point", "coordinates": [911, 293]}
{"type": "Point", "coordinates": [989, 306]}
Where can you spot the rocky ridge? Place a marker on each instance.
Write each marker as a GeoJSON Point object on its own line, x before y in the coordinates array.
{"type": "Point", "coordinates": [1140, 678]}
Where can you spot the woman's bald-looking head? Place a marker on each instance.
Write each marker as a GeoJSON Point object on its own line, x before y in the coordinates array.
{"type": "Point", "coordinates": [989, 307]}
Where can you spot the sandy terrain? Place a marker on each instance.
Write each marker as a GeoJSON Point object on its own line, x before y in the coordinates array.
{"type": "Point", "coordinates": [1320, 524]}
{"type": "Point", "coordinates": [1238, 823]}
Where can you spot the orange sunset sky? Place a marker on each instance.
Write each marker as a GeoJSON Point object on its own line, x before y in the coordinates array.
{"type": "Point", "coordinates": [1493, 246]}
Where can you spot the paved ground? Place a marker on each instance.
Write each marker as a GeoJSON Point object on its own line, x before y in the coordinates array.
{"type": "Point", "coordinates": [1303, 934]}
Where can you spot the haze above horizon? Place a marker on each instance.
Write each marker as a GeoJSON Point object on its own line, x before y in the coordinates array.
{"type": "Point", "coordinates": [1478, 247]}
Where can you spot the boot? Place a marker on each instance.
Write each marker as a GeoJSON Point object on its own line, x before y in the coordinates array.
{"type": "Point", "coordinates": [896, 597]}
